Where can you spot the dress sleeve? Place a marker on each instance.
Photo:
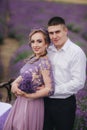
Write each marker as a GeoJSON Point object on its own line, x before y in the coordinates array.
{"type": "Point", "coordinates": [46, 71]}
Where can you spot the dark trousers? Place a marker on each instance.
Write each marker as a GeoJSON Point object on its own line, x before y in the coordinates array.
{"type": "Point", "coordinates": [59, 113]}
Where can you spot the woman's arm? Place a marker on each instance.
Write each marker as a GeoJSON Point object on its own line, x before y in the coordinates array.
{"type": "Point", "coordinates": [48, 87]}
{"type": "Point", "coordinates": [15, 85]}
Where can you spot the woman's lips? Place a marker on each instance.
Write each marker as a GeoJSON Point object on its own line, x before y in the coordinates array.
{"type": "Point", "coordinates": [36, 49]}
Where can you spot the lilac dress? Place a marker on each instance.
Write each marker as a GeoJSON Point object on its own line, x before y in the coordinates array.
{"type": "Point", "coordinates": [28, 114]}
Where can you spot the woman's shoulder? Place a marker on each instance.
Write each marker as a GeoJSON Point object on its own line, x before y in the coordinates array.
{"type": "Point", "coordinates": [45, 62]}
{"type": "Point", "coordinates": [45, 59]}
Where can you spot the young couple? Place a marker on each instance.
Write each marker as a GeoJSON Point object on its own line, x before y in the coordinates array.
{"type": "Point", "coordinates": [56, 72]}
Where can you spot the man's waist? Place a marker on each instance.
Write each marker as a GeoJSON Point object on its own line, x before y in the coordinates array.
{"type": "Point", "coordinates": [64, 98]}
{"type": "Point", "coordinates": [60, 96]}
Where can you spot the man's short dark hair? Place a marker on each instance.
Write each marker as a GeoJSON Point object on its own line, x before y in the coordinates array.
{"type": "Point", "coordinates": [56, 21]}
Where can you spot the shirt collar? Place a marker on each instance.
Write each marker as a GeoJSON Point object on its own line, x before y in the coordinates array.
{"type": "Point", "coordinates": [66, 45]}
{"type": "Point", "coordinates": [52, 48]}
{"type": "Point", "coordinates": [64, 48]}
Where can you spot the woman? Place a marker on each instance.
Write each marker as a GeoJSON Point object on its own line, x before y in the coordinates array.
{"type": "Point", "coordinates": [27, 112]}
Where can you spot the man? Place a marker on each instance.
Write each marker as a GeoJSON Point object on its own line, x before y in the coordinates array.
{"type": "Point", "coordinates": [69, 70]}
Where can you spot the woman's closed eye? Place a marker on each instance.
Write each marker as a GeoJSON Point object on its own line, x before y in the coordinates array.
{"type": "Point", "coordinates": [32, 41]}
{"type": "Point", "coordinates": [39, 41]}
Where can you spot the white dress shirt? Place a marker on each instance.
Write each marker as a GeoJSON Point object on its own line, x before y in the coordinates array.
{"type": "Point", "coordinates": [69, 69]}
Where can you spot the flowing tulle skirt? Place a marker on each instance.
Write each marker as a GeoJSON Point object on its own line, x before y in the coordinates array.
{"type": "Point", "coordinates": [26, 114]}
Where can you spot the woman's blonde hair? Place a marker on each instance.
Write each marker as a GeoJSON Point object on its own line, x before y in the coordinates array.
{"type": "Point", "coordinates": [43, 31]}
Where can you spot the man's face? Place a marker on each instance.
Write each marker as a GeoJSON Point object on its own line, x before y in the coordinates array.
{"type": "Point", "coordinates": [58, 35]}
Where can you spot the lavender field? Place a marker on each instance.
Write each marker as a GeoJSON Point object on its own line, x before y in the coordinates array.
{"type": "Point", "coordinates": [24, 15]}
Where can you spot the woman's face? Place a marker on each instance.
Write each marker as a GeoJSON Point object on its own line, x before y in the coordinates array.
{"type": "Point", "coordinates": [38, 43]}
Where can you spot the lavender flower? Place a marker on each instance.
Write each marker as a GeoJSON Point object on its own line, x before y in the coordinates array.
{"type": "Point", "coordinates": [26, 84]}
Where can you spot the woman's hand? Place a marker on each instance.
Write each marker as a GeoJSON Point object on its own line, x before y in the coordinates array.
{"type": "Point", "coordinates": [14, 87]}
{"type": "Point", "coordinates": [26, 95]}
{"type": "Point", "coordinates": [40, 87]}
{"type": "Point", "coordinates": [16, 90]}
{"type": "Point", "coordinates": [32, 95]}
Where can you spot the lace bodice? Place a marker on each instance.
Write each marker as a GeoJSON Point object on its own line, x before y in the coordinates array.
{"type": "Point", "coordinates": [36, 74]}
